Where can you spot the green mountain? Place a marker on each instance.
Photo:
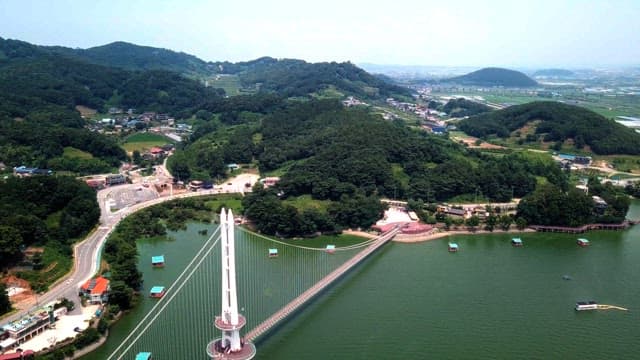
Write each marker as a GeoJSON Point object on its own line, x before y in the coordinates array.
{"type": "Point", "coordinates": [40, 89]}
{"type": "Point", "coordinates": [288, 77]}
{"type": "Point", "coordinates": [291, 77]}
{"type": "Point", "coordinates": [556, 122]}
{"type": "Point", "coordinates": [553, 73]}
{"type": "Point", "coordinates": [494, 77]}
{"type": "Point", "coordinates": [135, 57]}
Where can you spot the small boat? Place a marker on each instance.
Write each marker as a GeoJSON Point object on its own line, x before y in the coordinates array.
{"type": "Point", "coordinates": [157, 292]}
{"type": "Point", "coordinates": [583, 242]}
{"type": "Point", "coordinates": [586, 305]}
{"type": "Point", "coordinates": [144, 356]}
{"type": "Point", "coordinates": [273, 253]}
{"type": "Point", "coordinates": [566, 277]}
{"type": "Point", "coordinates": [157, 261]}
{"type": "Point", "coordinates": [516, 242]}
{"type": "Point", "coordinates": [330, 249]}
{"type": "Point", "coordinates": [453, 247]}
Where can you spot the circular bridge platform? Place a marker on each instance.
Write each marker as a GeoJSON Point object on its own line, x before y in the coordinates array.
{"type": "Point", "coordinates": [224, 326]}
{"type": "Point", "coordinates": [215, 351]}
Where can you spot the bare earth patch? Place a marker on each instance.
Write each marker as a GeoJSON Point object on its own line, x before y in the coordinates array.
{"type": "Point", "coordinates": [24, 297]}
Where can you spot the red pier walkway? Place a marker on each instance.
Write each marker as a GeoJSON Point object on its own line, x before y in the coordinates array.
{"type": "Point", "coordinates": [318, 287]}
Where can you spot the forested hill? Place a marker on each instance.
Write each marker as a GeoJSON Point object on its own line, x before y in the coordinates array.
{"type": "Point", "coordinates": [292, 77]}
{"type": "Point", "coordinates": [495, 77]}
{"type": "Point", "coordinates": [557, 122]}
{"type": "Point", "coordinates": [288, 77]}
{"type": "Point", "coordinates": [39, 91]}
{"type": "Point", "coordinates": [135, 57]}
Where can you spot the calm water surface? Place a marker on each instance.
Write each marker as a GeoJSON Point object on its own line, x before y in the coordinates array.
{"type": "Point", "coordinates": [488, 301]}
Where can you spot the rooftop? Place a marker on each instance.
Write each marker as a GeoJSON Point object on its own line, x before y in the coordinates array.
{"type": "Point", "coordinates": [157, 289]}
{"type": "Point", "coordinates": [143, 356]}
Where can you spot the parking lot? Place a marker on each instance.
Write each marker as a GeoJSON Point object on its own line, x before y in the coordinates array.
{"type": "Point", "coordinates": [126, 195]}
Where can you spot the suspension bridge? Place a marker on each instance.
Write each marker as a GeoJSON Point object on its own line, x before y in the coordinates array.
{"type": "Point", "coordinates": [205, 309]}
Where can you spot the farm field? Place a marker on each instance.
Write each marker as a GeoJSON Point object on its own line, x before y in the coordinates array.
{"type": "Point", "coordinates": [144, 141]}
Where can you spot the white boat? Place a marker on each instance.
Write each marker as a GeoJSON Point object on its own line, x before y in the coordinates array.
{"type": "Point", "coordinates": [586, 305]}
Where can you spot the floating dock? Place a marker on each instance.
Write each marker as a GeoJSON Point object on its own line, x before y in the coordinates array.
{"type": "Point", "coordinates": [143, 356]}
{"type": "Point", "coordinates": [157, 261]}
{"type": "Point", "coordinates": [157, 292]}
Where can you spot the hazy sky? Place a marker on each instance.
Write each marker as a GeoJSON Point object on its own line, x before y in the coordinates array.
{"type": "Point", "coordinates": [407, 32]}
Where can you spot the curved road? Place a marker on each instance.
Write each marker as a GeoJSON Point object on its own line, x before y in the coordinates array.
{"type": "Point", "coordinates": [87, 252]}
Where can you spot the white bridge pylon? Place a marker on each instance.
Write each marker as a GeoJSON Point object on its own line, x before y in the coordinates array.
{"type": "Point", "coordinates": [230, 322]}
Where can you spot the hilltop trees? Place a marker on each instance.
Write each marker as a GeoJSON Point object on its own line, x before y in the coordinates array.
{"type": "Point", "coordinates": [557, 123]}
{"type": "Point", "coordinates": [550, 205]}
{"type": "Point", "coordinates": [38, 209]}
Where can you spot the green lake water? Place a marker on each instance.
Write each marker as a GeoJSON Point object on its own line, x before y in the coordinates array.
{"type": "Point", "coordinates": [418, 301]}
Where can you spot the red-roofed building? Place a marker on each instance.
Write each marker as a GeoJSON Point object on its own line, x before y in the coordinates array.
{"type": "Point", "coordinates": [156, 151]}
{"type": "Point", "coordinates": [97, 289]}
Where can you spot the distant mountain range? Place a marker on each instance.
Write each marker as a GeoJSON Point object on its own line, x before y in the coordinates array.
{"type": "Point", "coordinates": [554, 73]}
{"type": "Point", "coordinates": [288, 77]}
{"type": "Point", "coordinates": [494, 77]}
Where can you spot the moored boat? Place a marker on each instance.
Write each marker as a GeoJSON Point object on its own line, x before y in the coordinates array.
{"type": "Point", "coordinates": [583, 242]}
{"type": "Point", "coordinates": [586, 305]}
{"type": "Point", "coordinates": [330, 249]}
{"type": "Point", "coordinates": [453, 247]}
{"type": "Point", "coordinates": [516, 242]}
{"type": "Point", "coordinates": [273, 253]}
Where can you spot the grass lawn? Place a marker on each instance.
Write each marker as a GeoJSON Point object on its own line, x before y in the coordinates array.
{"type": "Point", "coordinates": [71, 152]}
{"type": "Point", "coordinates": [233, 202]}
{"type": "Point", "coordinates": [144, 141]}
{"type": "Point", "coordinates": [230, 83]}
{"type": "Point", "coordinates": [329, 93]}
{"type": "Point", "coordinates": [282, 169]}
{"type": "Point", "coordinates": [54, 265]}
{"type": "Point", "coordinates": [306, 202]}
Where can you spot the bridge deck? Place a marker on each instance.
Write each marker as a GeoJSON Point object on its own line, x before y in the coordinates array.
{"type": "Point", "coordinates": [318, 287]}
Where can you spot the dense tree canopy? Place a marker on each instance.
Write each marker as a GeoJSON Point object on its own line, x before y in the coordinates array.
{"type": "Point", "coordinates": [463, 107]}
{"type": "Point", "coordinates": [39, 209]}
{"type": "Point", "coordinates": [557, 122]}
{"type": "Point", "coordinates": [550, 205]}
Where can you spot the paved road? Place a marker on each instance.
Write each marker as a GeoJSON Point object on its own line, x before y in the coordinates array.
{"type": "Point", "coordinates": [87, 253]}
